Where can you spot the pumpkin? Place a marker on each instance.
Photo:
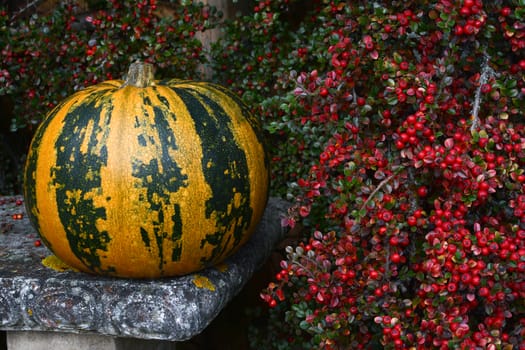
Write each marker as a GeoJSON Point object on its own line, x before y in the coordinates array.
{"type": "Point", "coordinates": [144, 179]}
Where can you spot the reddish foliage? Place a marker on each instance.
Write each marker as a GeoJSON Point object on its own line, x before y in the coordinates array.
{"type": "Point", "coordinates": [409, 124]}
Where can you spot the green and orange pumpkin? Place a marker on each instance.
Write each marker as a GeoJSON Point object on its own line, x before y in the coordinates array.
{"type": "Point", "coordinates": [143, 178]}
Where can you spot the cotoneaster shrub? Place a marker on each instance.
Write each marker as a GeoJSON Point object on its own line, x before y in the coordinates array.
{"type": "Point", "coordinates": [398, 132]}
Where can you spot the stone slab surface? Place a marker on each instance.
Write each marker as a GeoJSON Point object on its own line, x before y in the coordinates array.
{"type": "Point", "coordinates": [36, 298]}
{"type": "Point", "coordinates": [28, 340]}
{"type": "Point", "coordinates": [57, 341]}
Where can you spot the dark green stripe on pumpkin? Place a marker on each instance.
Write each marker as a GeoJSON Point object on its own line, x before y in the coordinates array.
{"type": "Point", "coordinates": [145, 237]}
{"type": "Point", "coordinates": [225, 169]}
{"type": "Point", "coordinates": [176, 235]}
{"type": "Point", "coordinates": [254, 122]}
{"type": "Point", "coordinates": [75, 210]}
{"type": "Point", "coordinates": [160, 180]}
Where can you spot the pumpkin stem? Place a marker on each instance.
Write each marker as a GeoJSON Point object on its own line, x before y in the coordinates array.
{"type": "Point", "coordinates": [140, 74]}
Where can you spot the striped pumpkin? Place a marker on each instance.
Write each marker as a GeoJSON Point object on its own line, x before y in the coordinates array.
{"type": "Point", "coordinates": [146, 178]}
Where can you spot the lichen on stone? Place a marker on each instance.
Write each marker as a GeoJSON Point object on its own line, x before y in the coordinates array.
{"type": "Point", "coordinates": [203, 282]}
{"type": "Point", "coordinates": [53, 262]}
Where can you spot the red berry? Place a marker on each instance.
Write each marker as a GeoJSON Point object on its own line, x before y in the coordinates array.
{"type": "Point", "coordinates": [394, 241]}
{"type": "Point", "coordinates": [486, 88]}
{"type": "Point", "coordinates": [465, 11]}
{"type": "Point", "coordinates": [396, 258]}
{"type": "Point", "coordinates": [505, 11]}
{"type": "Point", "coordinates": [422, 191]}
{"type": "Point", "coordinates": [272, 303]}
{"type": "Point", "coordinates": [469, 29]}
{"type": "Point", "coordinates": [468, 3]}
{"type": "Point", "coordinates": [483, 292]}
{"type": "Point", "coordinates": [374, 274]}
{"type": "Point", "coordinates": [313, 289]}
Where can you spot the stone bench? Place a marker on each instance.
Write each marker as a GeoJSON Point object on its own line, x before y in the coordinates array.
{"type": "Point", "coordinates": [41, 308]}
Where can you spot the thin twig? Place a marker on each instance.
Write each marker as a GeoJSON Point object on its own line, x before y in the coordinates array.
{"type": "Point", "coordinates": [413, 198]}
{"type": "Point", "coordinates": [21, 11]}
{"type": "Point", "coordinates": [381, 184]}
{"type": "Point", "coordinates": [486, 73]}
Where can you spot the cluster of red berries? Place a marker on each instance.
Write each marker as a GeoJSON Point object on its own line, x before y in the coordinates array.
{"type": "Point", "coordinates": [473, 18]}
{"type": "Point", "coordinates": [407, 188]}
